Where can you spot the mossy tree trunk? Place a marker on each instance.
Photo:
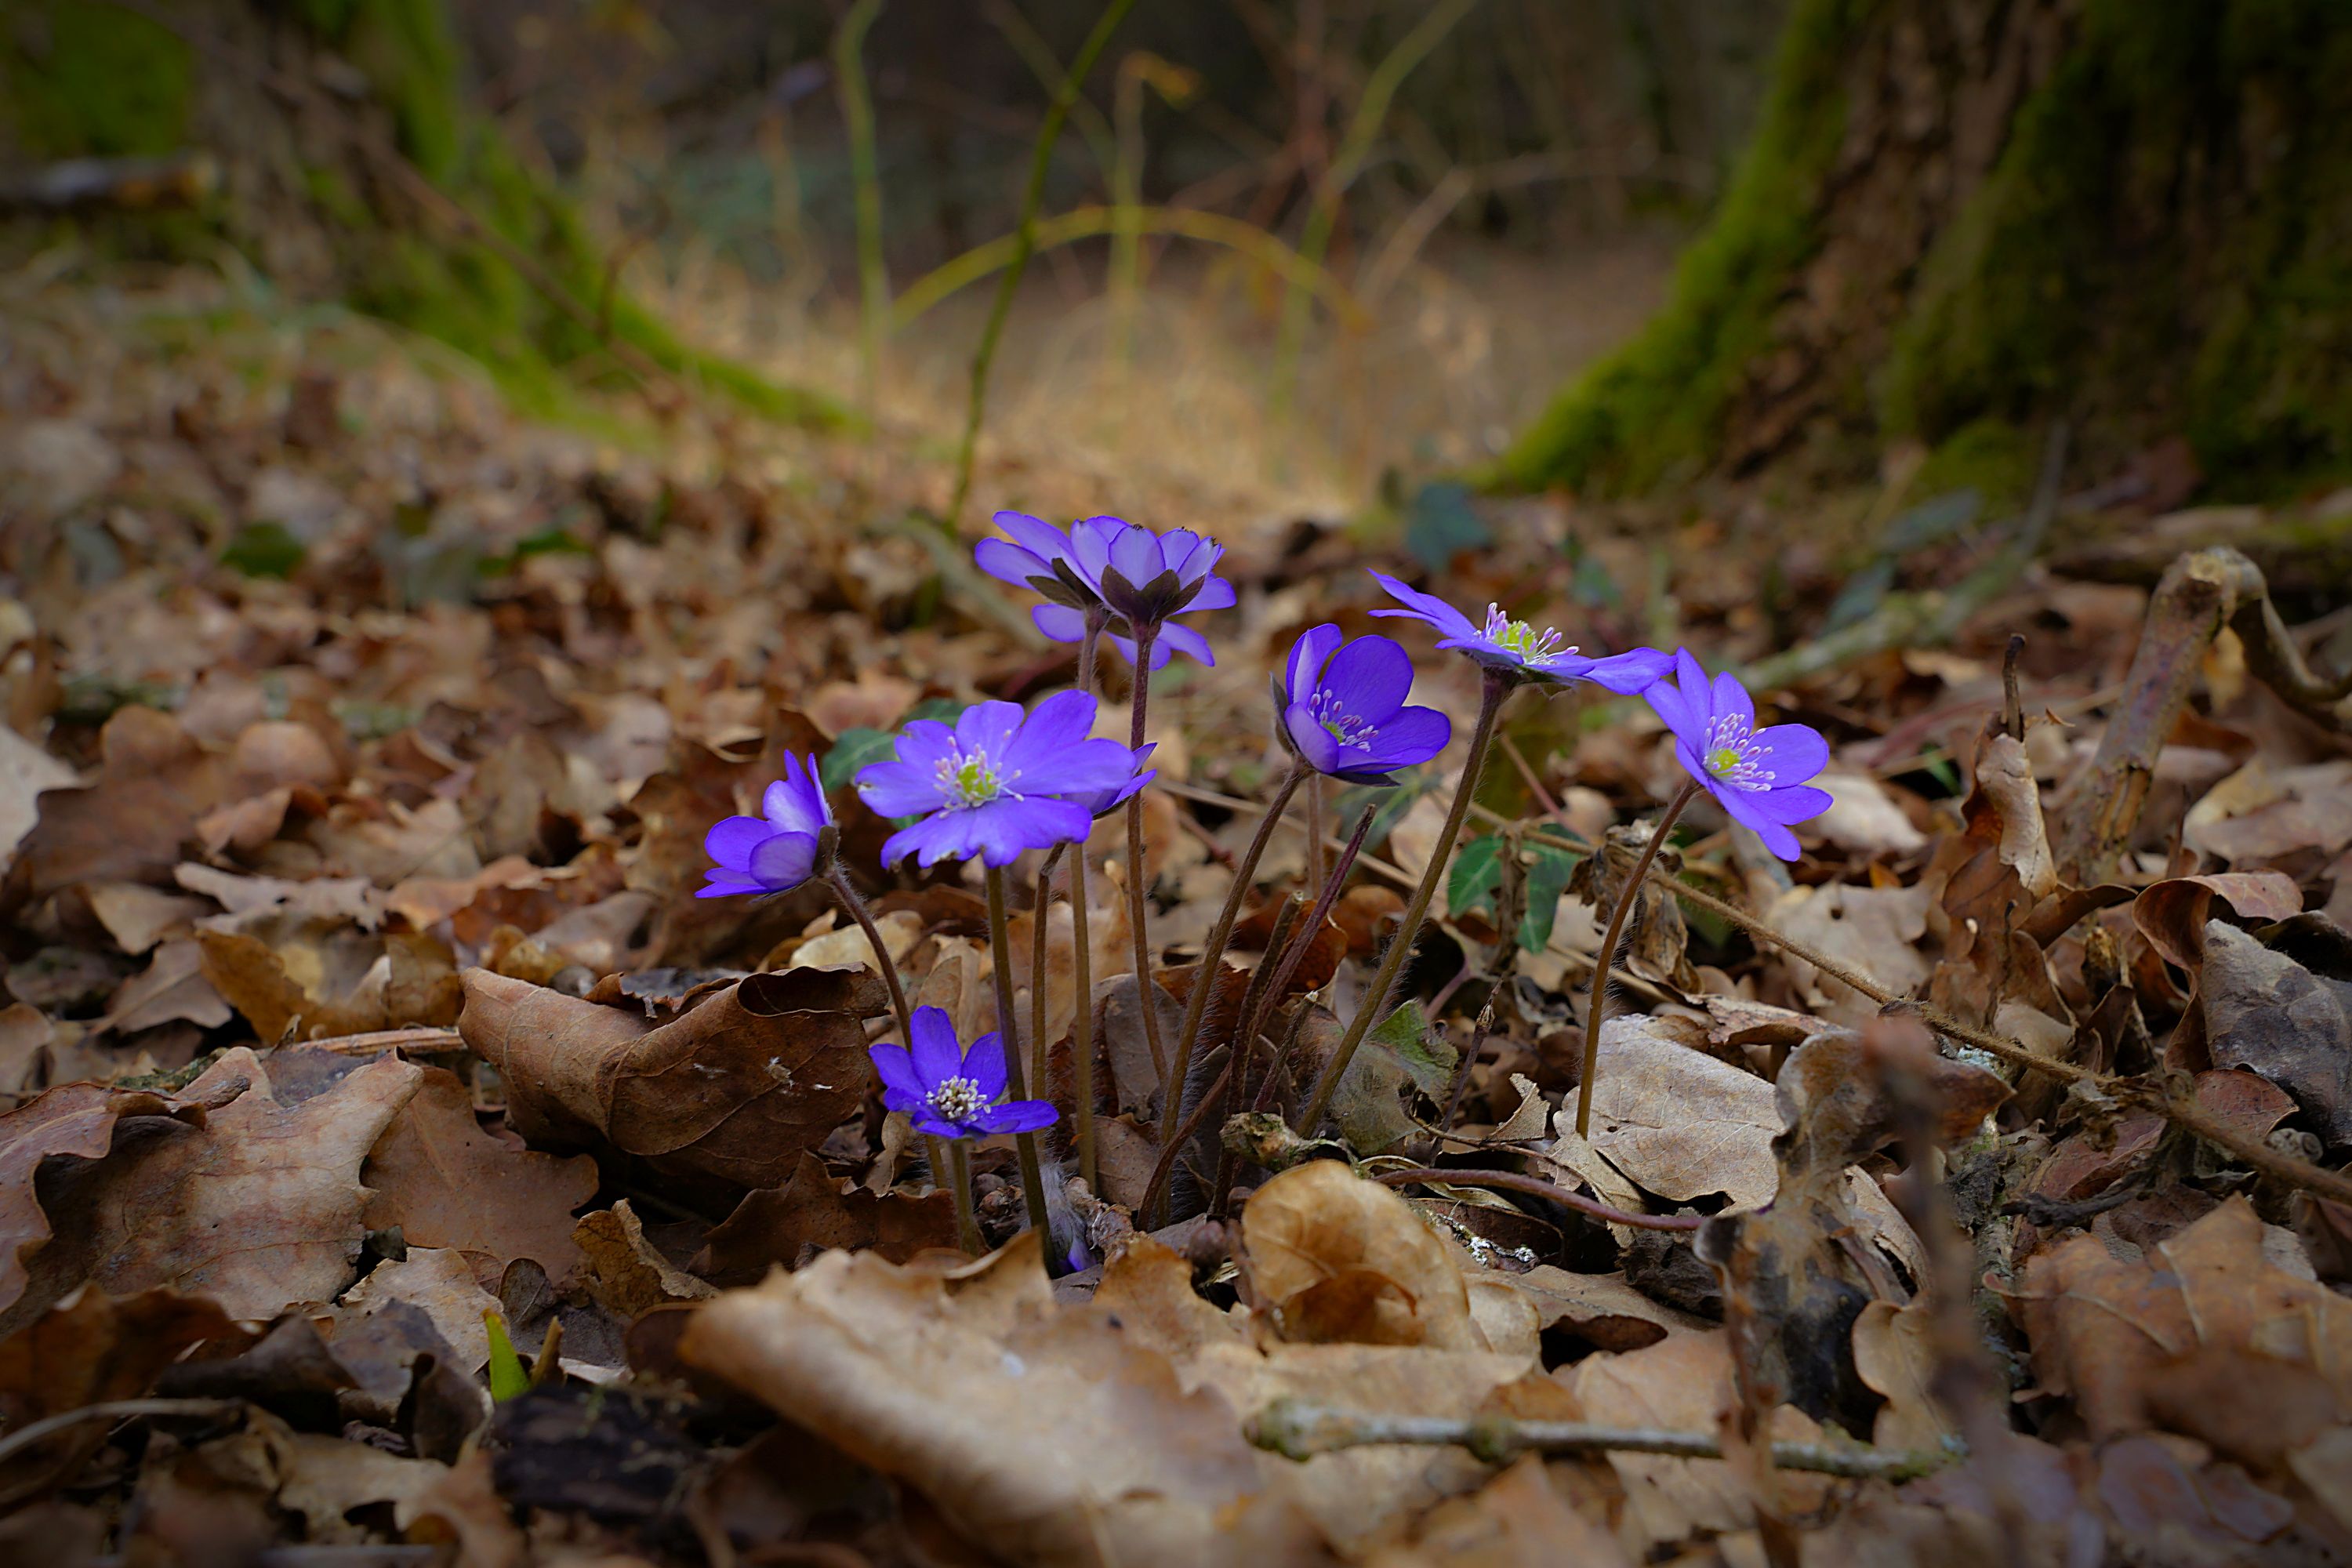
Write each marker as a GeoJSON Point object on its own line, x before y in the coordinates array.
{"type": "Point", "coordinates": [351, 167]}
{"type": "Point", "coordinates": [1962, 219]}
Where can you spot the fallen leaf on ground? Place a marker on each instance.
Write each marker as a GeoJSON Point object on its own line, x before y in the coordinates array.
{"type": "Point", "coordinates": [1331, 1256]}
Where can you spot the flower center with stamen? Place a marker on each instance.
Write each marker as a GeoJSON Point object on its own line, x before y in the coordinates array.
{"type": "Point", "coordinates": [956, 1100]}
{"type": "Point", "coordinates": [1518, 639]}
{"type": "Point", "coordinates": [1732, 755]}
{"type": "Point", "coordinates": [1345, 728]}
{"type": "Point", "coordinates": [968, 779]}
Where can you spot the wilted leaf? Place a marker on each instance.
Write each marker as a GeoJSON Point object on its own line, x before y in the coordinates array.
{"type": "Point", "coordinates": [2263, 1010]}
{"type": "Point", "coordinates": [448, 1183]}
{"type": "Point", "coordinates": [776, 1225]}
{"type": "Point", "coordinates": [737, 1088]}
{"type": "Point", "coordinates": [625, 1275]}
{"type": "Point", "coordinates": [1872, 930]}
{"type": "Point", "coordinates": [1331, 1256]}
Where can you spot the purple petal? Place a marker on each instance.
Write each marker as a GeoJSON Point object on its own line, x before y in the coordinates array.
{"type": "Point", "coordinates": [1216, 594]}
{"type": "Point", "coordinates": [1370, 676]}
{"type": "Point", "coordinates": [1303, 671]}
{"type": "Point", "coordinates": [1017, 1116]}
{"type": "Point", "coordinates": [1410, 737]}
{"type": "Point", "coordinates": [926, 1122]}
{"type": "Point", "coordinates": [1062, 720]}
{"type": "Point", "coordinates": [1731, 698]}
{"type": "Point", "coordinates": [1001, 829]}
{"type": "Point", "coordinates": [1037, 537]}
{"type": "Point", "coordinates": [945, 836]}
{"type": "Point", "coordinates": [899, 789]}
{"type": "Point", "coordinates": [1792, 804]}
{"type": "Point", "coordinates": [1424, 606]}
{"type": "Point", "coordinates": [1136, 555]}
{"type": "Point", "coordinates": [1792, 754]}
{"type": "Point", "coordinates": [988, 727]}
{"type": "Point", "coordinates": [1629, 674]}
{"type": "Point", "coordinates": [896, 1070]}
{"type": "Point", "coordinates": [1318, 747]}
{"type": "Point", "coordinates": [732, 840]}
{"type": "Point", "coordinates": [1008, 562]}
{"type": "Point", "coordinates": [726, 885]}
{"type": "Point", "coordinates": [784, 861]}
{"type": "Point", "coordinates": [1692, 681]}
{"type": "Point", "coordinates": [925, 743]}
{"type": "Point", "coordinates": [1178, 547]}
{"type": "Point", "coordinates": [1161, 652]}
{"type": "Point", "coordinates": [935, 1054]}
{"type": "Point", "coordinates": [1183, 641]}
{"type": "Point", "coordinates": [984, 1064]}
{"type": "Point", "coordinates": [1090, 542]}
{"type": "Point", "coordinates": [1674, 712]}
{"type": "Point", "coordinates": [796, 802]}
{"type": "Point", "coordinates": [1060, 623]}
{"type": "Point", "coordinates": [1742, 806]}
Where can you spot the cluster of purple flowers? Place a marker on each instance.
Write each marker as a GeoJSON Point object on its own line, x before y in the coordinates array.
{"type": "Point", "coordinates": [1001, 781]}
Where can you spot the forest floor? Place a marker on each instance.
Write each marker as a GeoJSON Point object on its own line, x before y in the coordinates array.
{"type": "Point", "coordinates": [400, 1154]}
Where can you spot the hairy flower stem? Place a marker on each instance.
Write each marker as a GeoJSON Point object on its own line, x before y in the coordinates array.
{"type": "Point", "coordinates": [1304, 943]}
{"type": "Point", "coordinates": [1139, 895]}
{"type": "Point", "coordinates": [855, 907]}
{"type": "Point", "coordinates": [1082, 1024]}
{"type": "Point", "coordinates": [959, 1158]}
{"type": "Point", "coordinates": [1196, 1005]}
{"type": "Point", "coordinates": [1384, 980]}
{"type": "Point", "coordinates": [999, 950]}
{"type": "Point", "coordinates": [1596, 1012]}
{"type": "Point", "coordinates": [1315, 787]}
{"type": "Point", "coordinates": [1040, 906]}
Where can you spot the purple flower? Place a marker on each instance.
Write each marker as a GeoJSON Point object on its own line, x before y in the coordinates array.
{"type": "Point", "coordinates": [1759, 775]}
{"type": "Point", "coordinates": [951, 1092]}
{"type": "Point", "coordinates": [1518, 651]}
{"type": "Point", "coordinates": [778, 851]}
{"type": "Point", "coordinates": [1137, 577]}
{"type": "Point", "coordinates": [994, 784]}
{"type": "Point", "coordinates": [1343, 710]}
{"type": "Point", "coordinates": [1101, 802]}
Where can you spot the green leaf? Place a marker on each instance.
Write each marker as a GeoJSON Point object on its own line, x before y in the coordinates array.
{"type": "Point", "coordinates": [1546, 880]}
{"type": "Point", "coordinates": [263, 549]}
{"type": "Point", "coordinates": [1428, 1057]}
{"type": "Point", "coordinates": [855, 748]}
{"type": "Point", "coordinates": [1476, 876]}
{"type": "Point", "coordinates": [508, 1376]}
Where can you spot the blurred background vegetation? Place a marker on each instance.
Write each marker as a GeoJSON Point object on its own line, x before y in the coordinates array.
{"type": "Point", "coordinates": [1334, 249]}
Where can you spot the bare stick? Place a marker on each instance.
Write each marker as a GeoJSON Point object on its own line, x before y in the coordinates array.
{"type": "Point", "coordinates": [1298, 1430]}
{"type": "Point", "coordinates": [1536, 1187]}
{"type": "Point", "coordinates": [41, 1431]}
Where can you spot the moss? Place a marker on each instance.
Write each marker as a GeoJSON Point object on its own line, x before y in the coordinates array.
{"type": "Point", "coordinates": [1656, 407]}
{"type": "Point", "coordinates": [88, 79]}
{"type": "Point", "coordinates": [1994, 458]}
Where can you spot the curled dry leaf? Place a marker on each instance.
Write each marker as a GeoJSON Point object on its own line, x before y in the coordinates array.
{"type": "Point", "coordinates": [1677, 1121]}
{"type": "Point", "coordinates": [737, 1088]}
{"type": "Point", "coordinates": [2173, 913]}
{"type": "Point", "coordinates": [775, 1226]}
{"type": "Point", "coordinates": [1329, 1257]}
{"type": "Point", "coordinates": [2263, 1010]}
{"type": "Point", "coordinates": [75, 1119]}
{"type": "Point", "coordinates": [625, 1275]}
{"type": "Point", "coordinates": [1873, 929]}
{"type": "Point", "coordinates": [259, 1207]}
{"type": "Point", "coordinates": [448, 1183]}
{"type": "Point", "coordinates": [413, 981]}
{"type": "Point", "coordinates": [2207, 1337]}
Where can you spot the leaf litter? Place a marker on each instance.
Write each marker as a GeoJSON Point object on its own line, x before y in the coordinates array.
{"type": "Point", "coordinates": [1968, 1189]}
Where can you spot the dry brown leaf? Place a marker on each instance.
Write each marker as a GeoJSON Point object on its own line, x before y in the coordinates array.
{"type": "Point", "coordinates": [1517, 1520]}
{"type": "Point", "coordinates": [625, 1276]}
{"type": "Point", "coordinates": [439, 1283]}
{"type": "Point", "coordinates": [25, 771]}
{"type": "Point", "coordinates": [2207, 1337]}
{"type": "Point", "coordinates": [171, 989]}
{"type": "Point", "coordinates": [776, 1225]}
{"type": "Point", "coordinates": [448, 1183]}
{"type": "Point", "coordinates": [2263, 1010]}
{"type": "Point", "coordinates": [127, 823]}
{"type": "Point", "coordinates": [76, 1119]}
{"type": "Point", "coordinates": [1863, 818]}
{"type": "Point", "coordinates": [2173, 913]}
{"type": "Point", "coordinates": [138, 916]}
{"type": "Point", "coordinates": [1602, 1309]}
{"type": "Point", "coordinates": [1678, 1122]}
{"type": "Point", "coordinates": [1873, 929]}
{"type": "Point", "coordinates": [736, 1088]}
{"type": "Point", "coordinates": [413, 980]}
{"type": "Point", "coordinates": [260, 1208]}
{"type": "Point", "coordinates": [1329, 1257]}
{"type": "Point", "coordinates": [1895, 1353]}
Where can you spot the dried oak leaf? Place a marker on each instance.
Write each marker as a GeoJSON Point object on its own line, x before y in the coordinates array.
{"type": "Point", "coordinates": [413, 981]}
{"type": "Point", "coordinates": [445, 1183]}
{"type": "Point", "coordinates": [776, 1225]}
{"type": "Point", "coordinates": [2263, 1010]}
{"type": "Point", "coordinates": [1040, 1432]}
{"type": "Point", "coordinates": [154, 780]}
{"type": "Point", "coordinates": [258, 1208]}
{"type": "Point", "coordinates": [627, 1276]}
{"type": "Point", "coordinates": [2208, 1337]}
{"type": "Point", "coordinates": [737, 1088]}
{"type": "Point", "coordinates": [76, 1120]}
{"type": "Point", "coordinates": [1329, 1257]}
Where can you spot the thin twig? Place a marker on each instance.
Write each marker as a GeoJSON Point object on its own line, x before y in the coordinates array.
{"type": "Point", "coordinates": [1298, 1430]}
{"type": "Point", "coordinates": [1536, 1187]}
{"type": "Point", "coordinates": [26, 1437]}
